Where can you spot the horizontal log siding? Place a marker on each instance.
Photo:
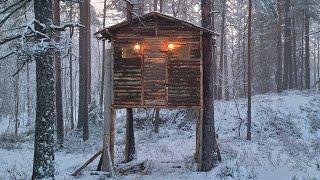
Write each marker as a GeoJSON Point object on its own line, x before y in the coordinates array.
{"type": "Point", "coordinates": [168, 81]}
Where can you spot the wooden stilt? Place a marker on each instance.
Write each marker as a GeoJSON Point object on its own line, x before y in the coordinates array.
{"type": "Point", "coordinates": [130, 146]}
{"type": "Point", "coordinates": [198, 136]}
{"type": "Point", "coordinates": [112, 132]}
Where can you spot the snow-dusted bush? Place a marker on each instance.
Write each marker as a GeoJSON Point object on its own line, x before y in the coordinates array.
{"type": "Point", "coordinates": [282, 126]}
{"type": "Point", "coordinates": [314, 122]}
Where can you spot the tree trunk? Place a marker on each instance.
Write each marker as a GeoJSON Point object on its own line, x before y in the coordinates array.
{"type": "Point", "coordinates": [207, 140]}
{"type": "Point", "coordinates": [214, 58]}
{"type": "Point", "coordinates": [249, 69]}
{"type": "Point", "coordinates": [307, 50]}
{"type": "Point", "coordinates": [71, 70]}
{"type": "Point", "coordinates": [155, 5]}
{"type": "Point", "coordinates": [318, 56]}
{"type": "Point", "coordinates": [43, 163]}
{"type": "Point", "coordinates": [279, 49]}
{"type": "Point", "coordinates": [58, 87]}
{"type": "Point", "coordinates": [103, 55]}
{"type": "Point", "coordinates": [222, 46]}
{"type": "Point", "coordinates": [108, 118]}
{"type": "Point", "coordinates": [287, 79]}
{"type": "Point", "coordinates": [83, 70]}
{"type": "Point", "coordinates": [28, 97]}
{"type": "Point", "coordinates": [16, 112]}
{"type": "Point", "coordinates": [88, 34]}
{"type": "Point", "coordinates": [156, 121]}
{"type": "Point", "coordinates": [161, 5]}
{"type": "Point", "coordinates": [130, 145]}
{"type": "Point", "coordinates": [294, 59]}
{"type": "Point", "coordinates": [302, 54]}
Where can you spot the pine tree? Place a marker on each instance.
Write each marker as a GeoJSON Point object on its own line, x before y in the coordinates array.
{"type": "Point", "coordinates": [58, 87]}
{"type": "Point", "coordinates": [249, 69]}
{"type": "Point", "coordinates": [43, 163]}
{"type": "Point", "coordinates": [83, 69]}
{"type": "Point", "coordinates": [207, 151]}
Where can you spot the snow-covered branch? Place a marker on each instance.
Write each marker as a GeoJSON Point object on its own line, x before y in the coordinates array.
{"type": "Point", "coordinates": [63, 27]}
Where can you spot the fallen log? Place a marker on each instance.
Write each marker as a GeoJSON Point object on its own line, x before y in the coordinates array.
{"type": "Point", "coordinates": [100, 173]}
{"type": "Point", "coordinates": [76, 172]}
{"type": "Point", "coordinates": [131, 167]}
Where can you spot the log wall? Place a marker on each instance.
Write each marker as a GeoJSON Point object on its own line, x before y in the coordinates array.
{"type": "Point", "coordinates": [157, 76]}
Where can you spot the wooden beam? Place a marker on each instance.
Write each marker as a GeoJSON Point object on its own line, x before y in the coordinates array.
{"type": "Point", "coordinates": [112, 133]}
{"type": "Point", "coordinates": [76, 172]}
{"type": "Point", "coordinates": [198, 137]}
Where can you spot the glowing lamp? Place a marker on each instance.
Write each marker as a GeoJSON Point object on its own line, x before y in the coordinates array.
{"type": "Point", "coordinates": [170, 46]}
{"type": "Point", "coordinates": [137, 47]}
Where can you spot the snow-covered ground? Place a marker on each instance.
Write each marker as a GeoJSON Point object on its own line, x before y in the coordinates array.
{"type": "Point", "coordinates": [285, 144]}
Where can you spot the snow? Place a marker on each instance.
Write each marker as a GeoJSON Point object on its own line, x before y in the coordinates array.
{"type": "Point", "coordinates": [285, 144]}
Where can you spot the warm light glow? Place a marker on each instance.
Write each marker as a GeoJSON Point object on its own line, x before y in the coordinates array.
{"type": "Point", "coordinates": [137, 47]}
{"type": "Point", "coordinates": [170, 46]}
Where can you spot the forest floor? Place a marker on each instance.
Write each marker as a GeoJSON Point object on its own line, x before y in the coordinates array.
{"type": "Point", "coordinates": [285, 143]}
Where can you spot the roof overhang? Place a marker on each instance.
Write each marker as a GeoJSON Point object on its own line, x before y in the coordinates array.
{"type": "Point", "coordinates": [107, 33]}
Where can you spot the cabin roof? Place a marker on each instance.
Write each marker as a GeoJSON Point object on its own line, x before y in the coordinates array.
{"type": "Point", "coordinates": [107, 33]}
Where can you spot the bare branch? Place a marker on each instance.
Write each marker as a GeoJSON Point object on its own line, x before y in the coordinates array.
{"type": "Point", "coordinates": [6, 55]}
{"type": "Point", "coordinates": [128, 1]}
{"type": "Point", "coordinates": [11, 6]}
{"type": "Point", "coordinates": [8, 39]}
{"type": "Point", "coordinates": [68, 25]}
{"type": "Point", "coordinates": [11, 13]}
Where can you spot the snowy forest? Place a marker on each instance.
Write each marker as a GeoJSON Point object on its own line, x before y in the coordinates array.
{"type": "Point", "coordinates": [160, 89]}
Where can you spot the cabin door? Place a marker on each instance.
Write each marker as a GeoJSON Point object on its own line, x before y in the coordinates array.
{"type": "Point", "coordinates": [154, 69]}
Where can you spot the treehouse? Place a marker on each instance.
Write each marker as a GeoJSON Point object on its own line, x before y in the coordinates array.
{"type": "Point", "coordinates": [157, 62]}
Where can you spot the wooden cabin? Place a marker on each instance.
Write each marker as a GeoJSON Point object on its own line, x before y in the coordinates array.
{"type": "Point", "coordinates": [157, 62]}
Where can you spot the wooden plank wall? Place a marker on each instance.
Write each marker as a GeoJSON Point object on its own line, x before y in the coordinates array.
{"type": "Point", "coordinates": [126, 76]}
{"type": "Point", "coordinates": [158, 77]}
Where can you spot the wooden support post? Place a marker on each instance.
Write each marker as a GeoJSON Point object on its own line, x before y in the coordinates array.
{"type": "Point", "coordinates": [130, 146]}
{"type": "Point", "coordinates": [109, 121]}
{"type": "Point", "coordinates": [112, 132]}
{"type": "Point", "coordinates": [156, 121]}
{"type": "Point", "coordinates": [198, 137]}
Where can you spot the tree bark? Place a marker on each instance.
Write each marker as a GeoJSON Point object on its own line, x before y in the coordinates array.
{"type": "Point", "coordinates": [207, 149]}
{"type": "Point", "coordinates": [58, 87]}
{"type": "Point", "coordinates": [88, 34]}
{"type": "Point", "coordinates": [43, 163]}
{"type": "Point", "coordinates": [302, 54]}
{"type": "Point", "coordinates": [155, 5]}
{"type": "Point", "coordinates": [16, 112]}
{"type": "Point", "coordinates": [156, 121]}
{"type": "Point", "coordinates": [222, 46]}
{"type": "Point", "coordinates": [71, 69]}
{"type": "Point", "coordinates": [294, 59]}
{"type": "Point", "coordinates": [109, 116]}
{"type": "Point", "coordinates": [161, 5]}
{"type": "Point", "coordinates": [83, 70]}
{"type": "Point", "coordinates": [287, 78]}
{"type": "Point", "coordinates": [279, 77]}
{"type": "Point", "coordinates": [103, 55]}
{"type": "Point", "coordinates": [249, 69]}
{"type": "Point", "coordinates": [130, 145]}
{"type": "Point", "coordinates": [28, 97]}
{"type": "Point", "coordinates": [307, 50]}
